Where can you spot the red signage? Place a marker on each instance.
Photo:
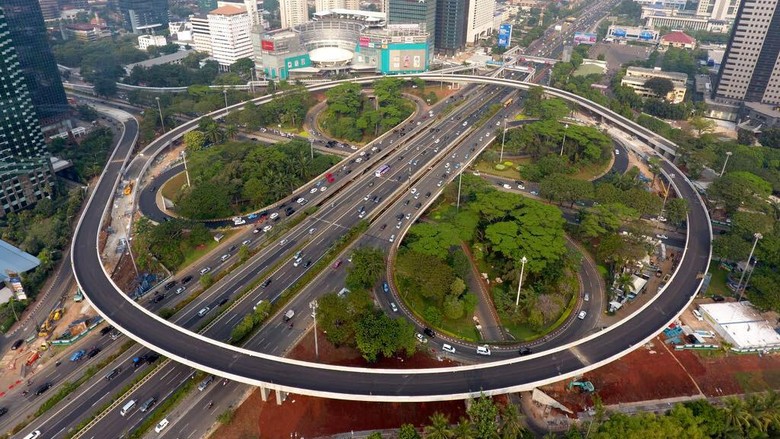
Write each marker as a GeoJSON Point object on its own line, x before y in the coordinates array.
{"type": "Point", "coordinates": [267, 45]}
{"type": "Point", "coordinates": [364, 41]}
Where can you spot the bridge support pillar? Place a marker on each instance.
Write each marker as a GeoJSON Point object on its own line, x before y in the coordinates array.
{"type": "Point", "coordinates": [280, 397]}
{"type": "Point", "coordinates": [264, 393]}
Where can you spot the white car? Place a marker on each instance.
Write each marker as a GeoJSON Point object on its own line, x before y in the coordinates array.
{"type": "Point", "coordinates": [507, 186]}
{"type": "Point", "coordinates": [246, 242]}
{"type": "Point", "coordinates": [297, 262]}
{"type": "Point", "coordinates": [204, 270]}
{"type": "Point", "coordinates": [237, 220]}
{"type": "Point", "coordinates": [448, 348]}
{"type": "Point", "coordinates": [362, 214]}
{"type": "Point", "coordinates": [421, 338]}
{"type": "Point", "coordinates": [447, 165]}
{"type": "Point", "coordinates": [660, 236]}
{"type": "Point", "coordinates": [392, 238]}
{"type": "Point", "coordinates": [582, 315]}
{"type": "Point", "coordinates": [274, 215]}
{"type": "Point", "coordinates": [161, 426]}
{"type": "Point", "coordinates": [359, 159]}
{"type": "Point", "coordinates": [367, 197]}
{"type": "Point", "coordinates": [414, 190]}
{"type": "Point", "coordinates": [441, 182]}
{"type": "Point", "coordinates": [393, 307]}
{"type": "Point", "coordinates": [374, 148]}
{"type": "Point", "coordinates": [323, 188]}
{"type": "Point", "coordinates": [587, 297]}
{"type": "Point", "coordinates": [300, 200]}
{"type": "Point", "coordinates": [353, 147]}
{"type": "Point", "coordinates": [313, 190]}
{"type": "Point", "coordinates": [35, 434]}
{"type": "Point", "coordinates": [662, 219]}
{"type": "Point", "coordinates": [437, 140]}
{"type": "Point", "coordinates": [521, 187]}
{"type": "Point", "coordinates": [617, 152]}
{"type": "Point", "coordinates": [267, 228]}
{"type": "Point", "coordinates": [477, 173]}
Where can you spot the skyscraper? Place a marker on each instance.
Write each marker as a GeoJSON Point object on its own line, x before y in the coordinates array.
{"type": "Point", "coordinates": [28, 35]}
{"type": "Point", "coordinates": [451, 16]}
{"type": "Point", "coordinates": [480, 20]}
{"type": "Point", "coordinates": [141, 16]}
{"type": "Point", "coordinates": [414, 12]}
{"type": "Point", "coordinates": [293, 12]}
{"type": "Point", "coordinates": [25, 167]}
{"type": "Point", "coordinates": [749, 69]}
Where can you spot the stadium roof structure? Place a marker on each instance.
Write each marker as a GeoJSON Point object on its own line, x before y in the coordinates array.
{"type": "Point", "coordinates": [368, 16]}
{"type": "Point", "coordinates": [14, 260]}
{"type": "Point", "coordinates": [330, 55]}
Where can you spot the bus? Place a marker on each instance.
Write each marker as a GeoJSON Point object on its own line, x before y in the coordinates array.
{"type": "Point", "coordinates": [381, 171]}
{"type": "Point", "coordinates": [508, 102]}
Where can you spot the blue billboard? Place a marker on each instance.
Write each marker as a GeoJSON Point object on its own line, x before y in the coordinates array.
{"type": "Point", "coordinates": [504, 35]}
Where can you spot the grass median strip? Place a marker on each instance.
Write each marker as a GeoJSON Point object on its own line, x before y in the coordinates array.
{"type": "Point", "coordinates": [165, 405]}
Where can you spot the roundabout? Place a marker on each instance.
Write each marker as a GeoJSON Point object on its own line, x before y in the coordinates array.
{"type": "Point", "coordinates": [282, 374]}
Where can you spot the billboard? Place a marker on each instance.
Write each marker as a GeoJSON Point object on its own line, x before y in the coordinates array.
{"type": "Point", "coordinates": [404, 58]}
{"type": "Point", "coordinates": [267, 45]}
{"type": "Point", "coordinates": [504, 35]}
{"type": "Point", "coordinates": [584, 38]}
{"type": "Point", "coordinates": [364, 41]}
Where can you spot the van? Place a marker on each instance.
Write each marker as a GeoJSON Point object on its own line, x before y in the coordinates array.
{"type": "Point", "coordinates": [113, 374]}
{"type": "Point", "coordinates": [148, 404]}
{"type": "Point", "coordinates": [697, 314]}
{"type": "Point", "coordinates": [203, 311]}
{"type": "Point", "coordinates": [34, 435]}
{"type": "Point", "coordinates": [127, 407]}
{"type": "Point", "coordinates": [225, 257]}
{"type": "Point", "coordinates": [205, 383]}
{"type": "Point", "coordinates": [483, 350]}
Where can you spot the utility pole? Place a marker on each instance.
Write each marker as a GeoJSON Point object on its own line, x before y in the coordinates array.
{"type": "Point", "coordinates": [757, 236]}
{"type": "Point", "coordinates": [503, 138]}
{"type": "Point", "coordinates": [162, 121]}
{"type": "Point", "coordinates": [314, 305]}
{"type": "Point", "coordinates": [565, 127]}
{"type": "Point", "coordinates": [460, 181]}
{"type": "Point", "coordinates": [520, 282]}
{"type": "Point", "coordinates": [723, 169]}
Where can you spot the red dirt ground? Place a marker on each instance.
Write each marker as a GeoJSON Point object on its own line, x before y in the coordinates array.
{"type": "Point", "coordinates": [312, 417]}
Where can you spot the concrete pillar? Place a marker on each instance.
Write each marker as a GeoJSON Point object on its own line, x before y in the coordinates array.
{"type": "Point", "coordinates": [264, 393]}
{"type": "Point", "coordinates": [280, 397]}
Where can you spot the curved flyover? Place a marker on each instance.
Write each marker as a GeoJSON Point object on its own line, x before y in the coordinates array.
{"type": "Point", "coordinates": [392, 384]}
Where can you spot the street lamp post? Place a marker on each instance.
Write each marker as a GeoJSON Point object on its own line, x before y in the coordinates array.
{"type": "Point", "coordinates": [159, 108]}
{"type": "Point", "coordinates": [503, 138]}
{"type": "Point", "coordinates": [186, 172]}
{"type": "Point", "coordinates": [565, 127]}
{"type": "Point", "coordinates": [314, 305]}
{"type": "Point", "coordinates": [520, 282]}
{"type": "Point", "coordinates": [741, 290]}
{"type": "Point", "coordinates": [723, 169]}
{"type": "Point", "coordinates": [460, 181]}
{"type": "Point", "coordinates": [130, 247]}
{"type": "Point", "coordinates": [224, 92]}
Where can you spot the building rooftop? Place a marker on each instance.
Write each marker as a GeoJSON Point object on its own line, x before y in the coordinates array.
{"type": "Point", "coordinates": [641, 71]}
{"type": "Point", "coordinates": [743, 323]}
{"type": "Point", "coordinates": [165, 59]}
{"type": "Point", "coordinates": [678, 38]}
{"type": "Point", "coordinates": [14, 260]}
{"type": "Point", "coordinates": [228, 10]}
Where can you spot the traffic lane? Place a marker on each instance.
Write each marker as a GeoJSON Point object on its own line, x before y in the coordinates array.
{"type": "Point", "coordinates": [147, 201]}
{"type": "Point", "coordinates": [198, 418]}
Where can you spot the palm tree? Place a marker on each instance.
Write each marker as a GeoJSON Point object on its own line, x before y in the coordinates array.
{"type": "Point", "coordinates": [737, 417]}
{"type": "Point", "coordinates": [625, 283]}
{"type": "Point", "coordinates": [463, 430]}
{"type": "Point", "coordinates": [511, 423]}
{"type": "Point", "coordinates": [213, 133]}
{"type": "Point", "coordinates": [231, 131]}
{"type": "Point", "coordinates": [771, 412]}
{"type": "Point", "coordinates": [439, 428]}
{"type": "Point", "coordinates": [654, 164]}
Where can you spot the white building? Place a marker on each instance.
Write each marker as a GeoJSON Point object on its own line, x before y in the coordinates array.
{"type": "Point", "coordinates": [229, 31]}
{"type": "Point", "coordinates": [637, 76]}
{"type": "Point", "coordinates": [293, 13]}
{"type": "Point", "coordinates": [741, 325]}
{"type": "Point", "coordinates": [201, 37]}
{"type": "Point", "coordinates": [718, 9]}
{"type": "Point", "coordinates": [144, 41]}
{"type": "Point", "coordinates": [480, 20]}
{"type": "Point", "coordinates": [327, 5]}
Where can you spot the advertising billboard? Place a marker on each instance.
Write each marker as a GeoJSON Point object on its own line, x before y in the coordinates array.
{"type": "Point", "coordinates": [364, 41]}
{"type": "Point", "coordinates": [504, 35]}
{"type": "Point", "coordinates": [404, 58]}
{"type": "Point", "coordinates": [584, 38]}
{"type": "Point", "coordinates": [267, 45]}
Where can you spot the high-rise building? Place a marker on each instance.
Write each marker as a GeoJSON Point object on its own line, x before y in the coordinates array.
{"type": "Point", "coordinates": [480, 19]}
{"type": "Point", "coordinates": [749, 70]}
{"type": "Point", "coordinates": [293, 13]}
{"type": "Point", "coordinates": [421, 12]}
{"type": "Point", "coordinates": [25, 166]}
{"type": "Point", "coordinates": [718, 9]}
{"type": "Point", "coordinates": [142, 16]}
{"type": "Point", "coordinates": [28, 34]}
{"type": "Point", "coordinates": [329, 5]}
{"type": "Point", "coordinates": [229, 28]}
{"type": "Point", "coordinates": [201, 37]}
{"type": "Point", "coordinates": [451, 16]}
{"type": "Point", "coordinates": [50, 9]}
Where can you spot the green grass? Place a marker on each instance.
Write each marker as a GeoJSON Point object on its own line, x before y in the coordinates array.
{"type": "Point", "coordinates": [197, 253]}
{"type": "Point", "coordinates": [591, 171]}
{"type": "Point", "coordinates": [584, 70]}
{"type": "Point", "coordinates": [487, 168]}
{"type": "Point", "coordinates": [172, 186]}
{"type": "Point", "coordinates": [718, 282]}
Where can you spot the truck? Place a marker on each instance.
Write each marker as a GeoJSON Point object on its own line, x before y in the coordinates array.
{"type": "Point", "coordinates": [289, 315]}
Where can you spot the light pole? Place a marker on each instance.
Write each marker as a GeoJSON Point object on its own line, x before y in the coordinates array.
{"type": "Point", "coordinates": [460, 180]}
{"type": "Point", "coordinates": [757, 236]}
{"type": "Point", "coordinates": [224, 92]}
{"type": "Point", "coordinates": [314, 305]}
{"type": "Point", "coordinates": [159, 108]}
{"type": "Point", "coordinates": [130, 247]}
{"type": "Point", "coordinates": [186, 172]}
{"type": "Point", "coordinates": [723, 169]}
{"type": "Point", "coordinates": [503, 138]}
{"type": "Point", "coordinates": [520, 282]}
{"type": "Point", "coordinates": [565, 127]}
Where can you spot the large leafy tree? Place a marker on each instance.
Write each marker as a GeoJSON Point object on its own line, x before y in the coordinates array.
{"type": "Point", "coordinates": [736, 188]}
{"type": "Point", "coordinates": [368, 265]}
{"type": "Point", "coordinates": [377, 334]}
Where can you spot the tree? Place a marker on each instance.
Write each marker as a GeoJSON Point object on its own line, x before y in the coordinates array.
{"type": "Point", "coordinates": [194, 140]}
{"type": "Point", "coordinates": [243, 67]}
{"type": "Point", "coordinates": [407, 431]}
{"type": "Point", "coordinates": [737, 188]}
{"type": "Point", "coordinates": [206, 280]}
{"type": "Point", "coordinates": [463, 430]}
{"type": "Point", "coordinates": [377, 334]}
{"type": "Point", "coordinates": [661, 87]}
{"type": "Point", "coordinates": [562, 188]}
{"type": "Point", "coordinates": [483, 414]}
{"type": "Point", "coordinates": [336, 315]}
{"type": "Point", "coordinates": [243, 254]}
{"type": "Point", "coordinates": [368, 264]}
{"type": "Point", "coordinates": [439, 428]}
{"type": "Point", "coordinates": [654, 165]}
{"type": "Point", "coordinates": [701, 125]}
{"type": "Point", "coordinates": [736, 415]}
{"type": "Point", "coordinates": [105, 87]}
{"type": "Point", "coordinates": [730, 247]}
{"type": "Point", "coordinates": [677, 210]}
{"type": "Point", "coordinates": [511, 423]}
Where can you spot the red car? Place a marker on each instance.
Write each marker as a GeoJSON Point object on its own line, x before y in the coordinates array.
{"type": "Point", "coordinates": [329, 177]}
{"type": "Point", "coordinates": [337, 264]}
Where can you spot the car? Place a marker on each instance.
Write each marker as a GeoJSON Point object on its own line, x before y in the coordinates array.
{"type": "Point", "coordinates": [418, 205]}
{"type": "Point", "coordinates": [385, 287]}
{"type": "Point", "coordinates": [582, 315]}
{"type": "Point", "coordinates": [237, 220]}
{"type": "Point", "coordinates": [586, 297]}
{"type": "Point", "coordinates": [307, 264]}
{"type": "Point", "coordinates": [312, 230]}
{"type": "Point", "coordinates": [417, 195]}
{"type": "Point", "coordinates": [506, 186]}
{"type": "Point", "coordinates": [203, 311]}
{"type": "Point", "coordinates": [421, 338]}
{"type": "Point", "coordinates": [323, 188]}
{"type": "Point", "coordinates": [252, 216]}
{"type": "Point", "coordinates": [246, 242]}
{"type": "Point", "coordinates": [170, 285]}
{"type": "Point", "coordinates": [392, 238]}
{"type": "Point", "coordinates": [3, 411]}
{"type": "Point", "coordinates": [524, 351]}
{"type": "Point", "coordinates": [204, 270]}
{"type": "Point", "coordinates": [158, 298]}
{"type": "Point", "coordinates": [718, 298]}
{"type": "Point", "coordinates": [266, 283]}
{"type": "Point", "coordinates": [427, 195]}
{"type": "Point", "coordinates": [483, 350]}
{"type": "Point", "coordinates": [447, 165]}
{"type": "Point", "coordinates": [393, 307]}
{"type": "Point", "coordinates": [267, 228]}
{"type": "Point", "coordinates": [106, 330]}
{"type": "Point", "coordinates": [94, 351]}
{"type": "Point", "coordinates": [300, 200]}
{"type": "Point", "coordinates": [283, 242]}
{"type": "Point", "coordinates": [661, 236]}
{"type": "Point", "coordinates": [225, 257]}
{"type": "Point", "coordinates": [520, 187]}
{"type": "Point", "coordinates": [696, 313]}
{"type": "Point", "coordinates": [289, 211]}
{"type": "Point", "coordinates": [186, 279]}
{"type": "Point", "coordinates": [367, 197]}
{"type": "Point", "coordinates": [535, 193]}
{"type": "Point", "coordinates": [476, 173]}
{"type": "Point", "coordinates": [113, 374]}
{"type": "Point", "coordinates": [313, 190]}
{"type": "Point", "coordinates": [383, 226]}
{"type": "Point", "coordinates": [448, 348]}
{"type": "Point", "coordinates": [180, 290]}
{"type": "Point", "coordinates": [408, 215]}
{"type": "Point", "coordinates": [441, 182]}
{"type": "Point", "coordinates": [297, 262]}
{"type": "Point", "coordinates": [274, 215]}
{"type": "Point", "coordinates": [78, 355]}
{"type": "Point", "coordinates": [337, 264]}
{"type": "Point", "coordinates": [662, 219]}
{"type": "Point", "coordinates": [34, 435]}
{"type": "Point", "coordinates": [256, 231]}
{"type": "Point", "coordinates": [429, 332]}
{"type": "Point", "coordinates": [43, 388]}
{"type": "Point", "coordinates": [414, 190]}
{"type": "Point", "coordinates": [617, 152]}
{"type": "Point", "coordinates": [362, 214]}
{"type": "Point", "coordinates": [17, 344]}
{"type": "Point", "coordinates": [161, 426]}
{"type": "Point", "coordinates": [223, 301]}
{"type": "Point", "coordinates": [406, 203]}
